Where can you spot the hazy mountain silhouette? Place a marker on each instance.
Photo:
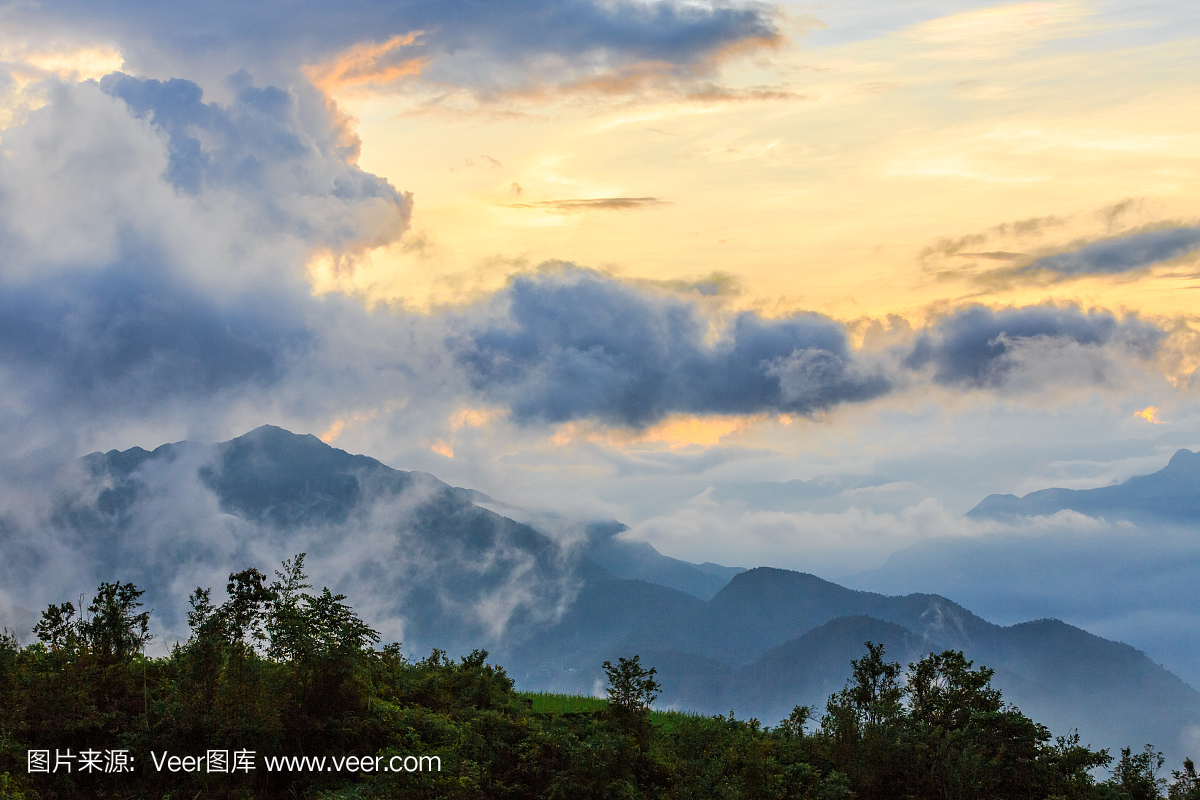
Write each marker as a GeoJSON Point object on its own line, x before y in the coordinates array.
{"type": "Point", "coordinates": [639, 560]}
{"type": "Point", "coordinates": [1170, 495]}
{"type": "Point", "coordinates": [773, 639]}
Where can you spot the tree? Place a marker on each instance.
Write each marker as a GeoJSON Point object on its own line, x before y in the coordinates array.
{"type": "Point", "coordinates": [794, 724]}
{"type": "Point", "coordinates": [333, 627]}
{"type": "Point", "coordinates": [285, 618]}
{"type": "Point", "coordinates": [58, 629]}
{"type": "Point", "coordinates": [202, 619]}
{"type": "Point", "coordinates": [873, 692]}
{"type": "Point", "coordinates": [1137, 775]}
{"type": "Point", "coordinates": [114, 631]}
{"type": "Point", "coordinates": [1186, 785]}
{"type": "Point", "coordinates": [242, 613]}
{"type": "Point", "coordinates": [631, 687]}
{"type": "Point", "coordinates": [944, 691]}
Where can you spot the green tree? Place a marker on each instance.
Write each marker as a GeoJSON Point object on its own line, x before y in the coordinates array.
{"type": "Point", "coordinates": [114, 630]}
{"type": "Point", "coordinates": [794, 724]}
{"type": "Point", "coordinates": [286, 624]}
{"type": "Point", "coordinates": [1186, 784]}
{"type": "Point", "coordinates": [944, 691]}
{"type": "Point", "coordinates": [242, 614]}
{"type": "Point", "coordinates": [873, 693]}
{"type": "Point", "coordinates": [1136, 774]}
{"type": "Point", "coordinates": [632, 688]}
{"type": "Point", "coordinates": [202, 618]}
{"type": "Point", "coordinates": [58, 629]}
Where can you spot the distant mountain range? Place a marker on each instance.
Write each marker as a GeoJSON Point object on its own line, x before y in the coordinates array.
{"type": "Point", "coordinates": [438, 566]}
{"type": "Point", "coordinates": [1169, 495]}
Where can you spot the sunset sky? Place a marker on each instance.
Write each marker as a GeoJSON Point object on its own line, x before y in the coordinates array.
{"type": "Point", "coordinates": [613, 258]}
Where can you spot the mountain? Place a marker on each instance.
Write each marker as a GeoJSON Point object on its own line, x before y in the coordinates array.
{"type": "Point", "coordinates": [432, 565]}
{"type": "Point", "coordinates": [773, 639]}
{"type": "Point", "coordinates": [1170, 495]}
{"type": "Point", "coordinates": [639, 560]}
{"type": "Point", "coordinates": [414, 551]}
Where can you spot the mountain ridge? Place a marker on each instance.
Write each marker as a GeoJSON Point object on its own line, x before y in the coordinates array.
{"type": "Point", "coordinates": [1167, 495]}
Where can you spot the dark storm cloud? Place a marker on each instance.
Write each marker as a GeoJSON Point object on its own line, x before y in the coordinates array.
{"type": "Point", "coordinates": [467, 42]}
{"type": "Point", "coordinates": [1124, 254]}
{"type": "Point", "coordinates": [128, 338]}
{"type": "Point", "coordinates": [578, 345]}
{"type": "Point", "coordinates": [980, 347]}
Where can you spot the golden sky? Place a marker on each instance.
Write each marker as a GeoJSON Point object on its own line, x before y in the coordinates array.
{"type": "Point", "coordinates": [884, 165]}
{"type": "Point", "coordinates": [838, 176]}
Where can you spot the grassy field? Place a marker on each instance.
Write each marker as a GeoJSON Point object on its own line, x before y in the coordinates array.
{"type": "Point", "coordinates": [547, 703]}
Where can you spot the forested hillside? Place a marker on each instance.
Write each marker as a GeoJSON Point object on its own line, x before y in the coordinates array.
{"type": "Point", "coordinates": [280, 692]}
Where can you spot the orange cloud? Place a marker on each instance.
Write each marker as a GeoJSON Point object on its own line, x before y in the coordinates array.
{"type": "Point", "coordinates": [678, 431]}
{"type": "Point", "coordinates": [1150, 414]}
{"type": "Point", "coordinates": [69, 62]}
{"type": "Point", "coordinates": [367, 64]}
{"type": "Point", "coordinates": [334, 431]}
{"type": "Point", "coordinates": [474, 417]}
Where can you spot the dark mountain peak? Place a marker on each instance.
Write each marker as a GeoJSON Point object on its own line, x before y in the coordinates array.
{"type": "Point", "coordinates": [116, 461]}
{"type": "Point", "coordinates": [855, 627]}
{"type": "Point", "coordinates": [275, 436]}
{"type": "Point", "coordinates": [604, 530]}
{"type": "Point", "coordinates": [764, 582]}
{"type": "Point", "coordinates": [272, 474]}
{"type": "Point", "coordinates": [272, 443]}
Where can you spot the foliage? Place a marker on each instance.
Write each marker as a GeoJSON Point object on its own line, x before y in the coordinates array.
{"type": "Point", "coordinates": [632, 688]}
{"type": "Point", "coordinates": [1136, 775]}
{"type": "Point", "coordinates": [281, 670]}
{"type": "Point", "coordinates": [1186, 785]}
{"type": "Point", "coordinates": [112, 631]}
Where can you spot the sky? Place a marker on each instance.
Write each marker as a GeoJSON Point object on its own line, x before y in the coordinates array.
{"type": "Point", "coordinates": [617, 259]}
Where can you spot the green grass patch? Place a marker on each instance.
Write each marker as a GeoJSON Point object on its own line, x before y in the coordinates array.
{"type": "Point", "coordinates": [667, 721]}
{"type": "Point", "coordinates": [548, 703]}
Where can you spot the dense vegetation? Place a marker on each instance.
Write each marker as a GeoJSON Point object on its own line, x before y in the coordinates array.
{"type": "Point", "coordinates": [282, 672]}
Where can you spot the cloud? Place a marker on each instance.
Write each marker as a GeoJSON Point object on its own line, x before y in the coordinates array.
{"type": "Point", "coordinates": [294, 162]}
{"type": "Point", "coordinates": [488, 47]}
{"type": "Point", "coordinates": [1120, 254]}
{"type": "Point", "coordinates": [594, 204]}
{"type": "Point", "coordinates": [577, 345]}
{"type": "Point", "coordinates": [979, 347]}
{"type": "Point", "coordinates": [154, 247]}
{"type": "Point", "coordinates": [154, 275]}
{"type": "Point", "coordinates": [995, 255]}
